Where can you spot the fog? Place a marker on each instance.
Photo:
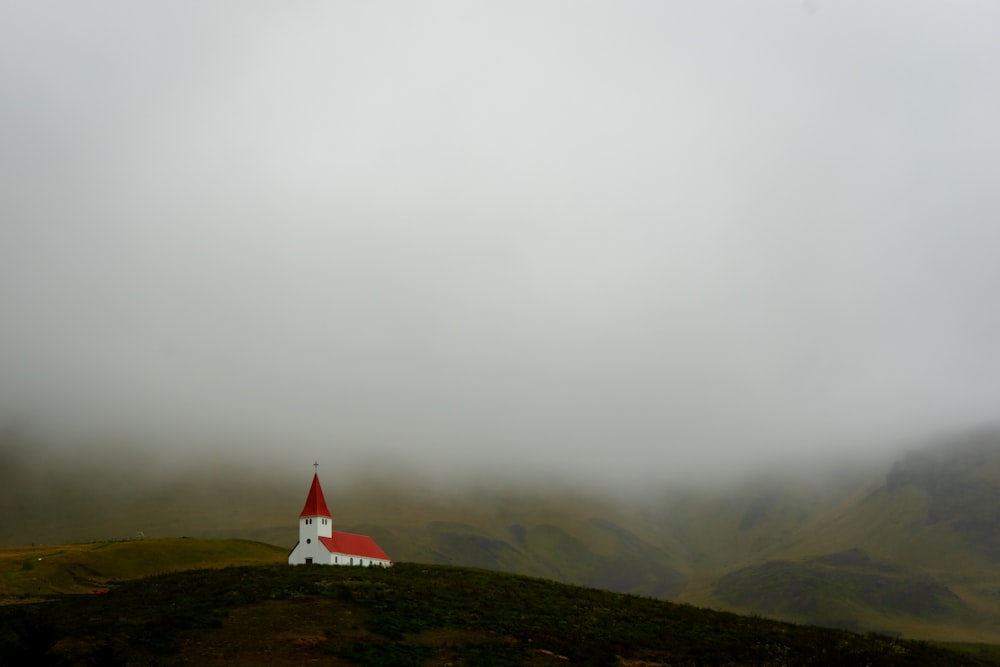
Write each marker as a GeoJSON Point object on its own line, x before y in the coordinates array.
{"type": "Point", "coordinates": [599, 240]}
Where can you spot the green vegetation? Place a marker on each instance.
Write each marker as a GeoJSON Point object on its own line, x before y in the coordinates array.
{"type": "Point", "coordinates": [414, 615]}
{"type": "Point", "coordinates": [834, 596]}
{"type": "Point", "coordinates": [38, 572]}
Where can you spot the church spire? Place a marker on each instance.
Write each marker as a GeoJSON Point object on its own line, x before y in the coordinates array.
{"type": "Point", "coordinates": [315, 502]}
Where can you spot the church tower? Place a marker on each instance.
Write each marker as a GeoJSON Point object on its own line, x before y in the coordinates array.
{"type": "Point", "coordinates": [315, 522]}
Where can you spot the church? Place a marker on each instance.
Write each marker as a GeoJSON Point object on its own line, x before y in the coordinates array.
{"type": "Point", "coordinates": [320, 544]}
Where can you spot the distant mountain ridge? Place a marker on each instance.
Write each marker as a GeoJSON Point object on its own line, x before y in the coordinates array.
{"type": "Point", "coordinates": [912, 550]}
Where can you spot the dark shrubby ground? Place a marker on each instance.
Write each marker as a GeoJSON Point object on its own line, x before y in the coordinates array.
{"type": "Point", "coordinates": [413, 615]}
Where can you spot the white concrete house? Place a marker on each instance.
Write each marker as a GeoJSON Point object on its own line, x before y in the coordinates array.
{"type": "Point", "coordinates": [320, 544]}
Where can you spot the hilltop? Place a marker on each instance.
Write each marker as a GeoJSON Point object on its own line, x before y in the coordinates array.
{"type": "Point", "coordinates": [413, 614]}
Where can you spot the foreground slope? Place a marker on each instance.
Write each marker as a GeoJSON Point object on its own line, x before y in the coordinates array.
{"type": "Point", "coordinates": [413, 615]}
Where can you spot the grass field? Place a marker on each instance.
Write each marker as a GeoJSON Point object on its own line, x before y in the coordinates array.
{"type": "Point", "coordinates": [38, 572]}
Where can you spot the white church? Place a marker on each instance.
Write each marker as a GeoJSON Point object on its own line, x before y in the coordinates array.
{"type": "Point", "coordinates": [320, 544]}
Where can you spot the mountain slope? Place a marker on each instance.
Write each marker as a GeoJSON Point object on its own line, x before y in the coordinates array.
{"type": "Point", "coordinates": [921, 546]}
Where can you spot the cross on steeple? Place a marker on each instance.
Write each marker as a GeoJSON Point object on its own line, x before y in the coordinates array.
{"type": "Point", "coordinates": [316, 467]}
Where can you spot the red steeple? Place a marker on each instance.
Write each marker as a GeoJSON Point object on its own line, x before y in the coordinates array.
{"type": "Point", "coordinates": [315, 503]}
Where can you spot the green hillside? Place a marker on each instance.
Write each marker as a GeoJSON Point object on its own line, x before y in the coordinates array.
{"type": "Point", "coordinates": [413, 615]}
{"type": "Point", "coordinates": [38, 572]}
{"type": "Point", "coordinates": [909, 551]}
{"type": "Point", "coordinates": [962, 485]}
{"type": "Point", "coordinates": [844, 590]}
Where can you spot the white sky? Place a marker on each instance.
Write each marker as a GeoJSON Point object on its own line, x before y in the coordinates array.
{"type": "Point", "coordinates": [619, 239]}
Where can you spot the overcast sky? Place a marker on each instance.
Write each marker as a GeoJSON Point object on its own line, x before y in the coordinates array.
{"type": "Point", "coordinates": [629, 239]}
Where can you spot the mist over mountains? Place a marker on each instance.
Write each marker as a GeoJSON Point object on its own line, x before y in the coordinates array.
{"type": "Point", "coordinates": [636, 243]}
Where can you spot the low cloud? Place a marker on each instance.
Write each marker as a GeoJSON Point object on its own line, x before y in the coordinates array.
{"type": "Point", "coordinates": [622, 243]}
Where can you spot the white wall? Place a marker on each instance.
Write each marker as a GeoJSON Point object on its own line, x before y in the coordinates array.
{"type": "Point", "coordinates": [310, 530]}
{"type": "Point", "coordinates": [346, 559]}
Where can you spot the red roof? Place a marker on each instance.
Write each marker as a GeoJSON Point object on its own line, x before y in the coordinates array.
{"type": "Point", "coordinates": [315, 503]}
{"type": "Point", "coordinates": [353, 545]}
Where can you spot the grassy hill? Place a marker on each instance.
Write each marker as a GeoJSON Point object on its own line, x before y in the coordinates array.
{"type": "Point", "coordinates": [845, 590]}
{"type": "Point", "coordinates": [413, 615]}
{"type": "Point", "coordinates": [31, 573]}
